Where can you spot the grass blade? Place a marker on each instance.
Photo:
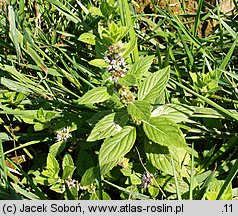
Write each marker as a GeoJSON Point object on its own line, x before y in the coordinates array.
{"type": "Point", "coordinates": [229, 178]}
{"type": "Point", "coordinates": [127, 21]}
{"type": "Point", "coordinates": [208, 101]}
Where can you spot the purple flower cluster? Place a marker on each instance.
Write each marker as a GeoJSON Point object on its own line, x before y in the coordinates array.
{"type": "Point", "coordinates": [146, 179]}
{"type": "Point", "coordinates": [72, 183]}
{"type": "Point", "coordinates": [63, 135]}
{"type": "Point", "coordinates": [117, 64]}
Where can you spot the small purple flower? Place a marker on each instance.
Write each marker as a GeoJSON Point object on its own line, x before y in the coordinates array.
{"type": "Point", "coordinates": [118, 55]}
{"type": "Point", "coordinates": [122, 62]}
{"type": "Point", "coordinates": [146, 179]}
{"type": "Point", "coordinates": [63, 135]}
{"type": "Point", "coordinates": [106, 59]}
{"type": "Point", "coordinates": [116, 67]}
{"type": "Point", "coordinates": [109, 68]}
{"type": "Point", "coordinates": [113, 62]}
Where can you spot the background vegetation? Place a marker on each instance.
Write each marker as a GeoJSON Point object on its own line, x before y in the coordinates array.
{"type": "Point", "coordinates": [105, 99]}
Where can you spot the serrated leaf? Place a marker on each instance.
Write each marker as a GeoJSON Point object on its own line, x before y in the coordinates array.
{"type": "Point", "coordinates": [127, 80]}
{"type": "Point", "coordinates": [141, 66]}
{"type": "Point", "coordinates": [108, 126]}
{"type": "Point", "coordinates": [160, 157]}
{"type": "Point", "coordinates": [164, 132]}
{"type": "Point", "coordinates": [106, 167]}
{"type": "Point", "coordinates": [52, 165]}
{"type": "Point", "coordinates": [93, 172]}
{"type": "Point", "coordinates": [95, 95]}
{"type": "Point", "coordinates": [117, 146]}
{"type": "Point", "coordinates": [57, 148]}
{"type": "Point", "coordinates": [68, 172]}
{"type": "Point", "coordinates": [99, 63]}
{"type": "Point", "coordinates": [89, 176]}
{"type": "Point", "coordinates": [154, 85]}
{"type": "Point", "coordinates": [140, 109]}
{"type": "Point", "coordinates": [175, 112]}
{"type": "Point", "coordinates": [88, 38]}
{"type": "Point", "coordinates": [68, 166]}
{"type": "Point", "coordinates": [67, 161]}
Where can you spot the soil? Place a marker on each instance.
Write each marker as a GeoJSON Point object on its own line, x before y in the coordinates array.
{"type": "Point", "coordinates": [175, 6]}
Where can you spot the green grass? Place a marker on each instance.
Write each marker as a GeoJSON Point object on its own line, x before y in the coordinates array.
{"type": "Point", "coordinates": [80, 125]}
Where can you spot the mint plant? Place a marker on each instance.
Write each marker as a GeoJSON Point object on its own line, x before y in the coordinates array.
{"type": "Point", "coordinates": [100, 101]}
{"type": "Point", "coordinates": [131, 93]}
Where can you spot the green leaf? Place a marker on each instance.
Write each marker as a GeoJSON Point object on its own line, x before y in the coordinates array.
{"type": "Point", "coordinates": [106, 167]}
{"type": "Point", "coordinates": [52, 165]}
{"type": "Point", "coordinates": [154, 85]}
{"type": "Point", "coordinates": [68, 166]}
{"type": "Point", "coordinates": [3, 170]}
{"type": "Point", "coordinates": [140, 109]}
{"type": "Point", "coordinates": [89, 176]}
{"type": "Point", "coordinates": [117, 146]}
{"type": "Point", "coordinates": [208, 101]}
{"type": "Point", "coordinates": [153, 190]}
{"type": "Point", "coordinates": [228, 55]}
{"type": "Point", "coordinates": [127, 80]}
{"type": "Point", "coordinates": [232, 174]}
{"type": "Point", "coordinates": [13, 85]}
{"type": "Point", "coordinates": [214, 188]}
{"type": "Point", "coordinates": [97, 117]}
{"type": "Point", "coordinates": [57, 148]}
{"type": "Point", "coordinates": [160, 157]}
{"type": "Point", "coordinates": [108, 126]}
{"type": "Point", "coordinates": [25, 193]}
{"type": "Point", "coordinates": [165, 132]}
{"type": "Point", "coordinates": [129, 47]}
{"type": "Point", "coordinates": [41, 114]}
{"type": "Point", "coordinates": [29, 49]}
{"type": "Point", "coordinates": [95, 11]}
{"type": "Point", "coordinates": [64, 10]}
{"type": "Point", "coordinates": [93, 172]}
{"type": "Point", "coordinates": [96, 196]}
{"type": "Point", "coordinates": [99, 63]}
{"type": "Point", "coordinates": [95, 95]}
{"type": "Point", "coordinates": [141, 66]}
{"type": "Point", "coordinates": [169, 184]}
{"type": "Point", "coordinates": [84, 161]}
{"type": "Point", "coordinates": [13, 30]}
{"type": "Point", "coordinates": [106, 8]}
{"type": "Point", "coordinates": [88, 38]}
{"type": "Point", "coordinates": [228, 28]}
{"type": "Point", "coordinates": [176, 112]}
{"type": "Point", "coordinates": [67, 160]}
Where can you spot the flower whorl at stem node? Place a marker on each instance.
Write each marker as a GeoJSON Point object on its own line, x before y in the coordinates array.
{"type": "Point", "coordinates": [146, 179]}
{"type": "Point", "coordinates": [117, 67]}
{"type": "Point", "coordinates": [126, 95]}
